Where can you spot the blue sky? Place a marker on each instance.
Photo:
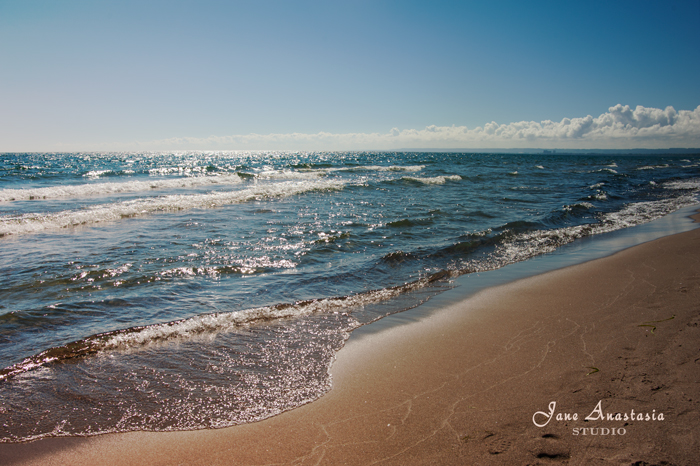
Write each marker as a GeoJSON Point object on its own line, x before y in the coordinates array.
{"type": "Point", "coordinates": [134, 75]}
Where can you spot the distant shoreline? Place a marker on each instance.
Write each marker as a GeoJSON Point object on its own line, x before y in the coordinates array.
{"type": "Point", "coordinates": [542, 151]}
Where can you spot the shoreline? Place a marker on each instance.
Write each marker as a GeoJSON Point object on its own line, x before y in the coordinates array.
{"type": "Point", "coordinates": [461, 385]}
{"type": "Point", "coordinates": [580, 251]}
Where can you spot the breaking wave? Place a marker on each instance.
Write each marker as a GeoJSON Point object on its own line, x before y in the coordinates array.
{"type": "Point", "coordinates": [32, 223]}
{"type": "Point", "coordinates": [92, 189]}
{"type": "Point", "coordinates": [185, 329]}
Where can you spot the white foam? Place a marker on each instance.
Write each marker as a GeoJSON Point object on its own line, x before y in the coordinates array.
{"type": "Point", "coordinates": [684, 184]}
{"type": "Point", "coordinates": [585, 205]}
{"type": "Point", "coordinates": [29, 223]}
{"type": "Point", "coordinates": [289, 175]}
{"type": "Point", "coordinates": [96, 173]}
{"type": "Point", "coordinates": [391, 168]}
{"type": "Point", "coordinates": [526, 245]}
{"type": "Point", "coordinates": [377, 168]}
{"type": "Point", "coordinates": [433, 180]}
{"type": "Point", "coordinates": [221, 322]}
{"type": "Point", "coordinates": [92, 189]}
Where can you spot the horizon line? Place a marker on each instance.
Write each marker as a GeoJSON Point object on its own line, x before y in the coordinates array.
{"type": "Point", "coordinates": [404, 149]}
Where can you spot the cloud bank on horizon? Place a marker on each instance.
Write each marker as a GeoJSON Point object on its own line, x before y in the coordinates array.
{"type": "Point", "coordinates": [621, 127]}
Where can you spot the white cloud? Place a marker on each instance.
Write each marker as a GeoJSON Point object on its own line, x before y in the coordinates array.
{"type": "Point", "coordinates": [620, 127]}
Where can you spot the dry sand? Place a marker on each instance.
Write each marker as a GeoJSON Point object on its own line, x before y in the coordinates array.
{"type": "Point", "coordinates": [461, 386]}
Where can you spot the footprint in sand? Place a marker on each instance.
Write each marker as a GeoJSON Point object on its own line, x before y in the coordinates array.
{"type": "Point", "coordinates": [495, 443]}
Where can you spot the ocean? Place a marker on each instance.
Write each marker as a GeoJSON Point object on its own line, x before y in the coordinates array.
{"type": "Point", "coordinates": [188, 290]}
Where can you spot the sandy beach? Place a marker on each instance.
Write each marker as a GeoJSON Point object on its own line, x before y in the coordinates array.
{"type": "Point", "coordinates": [596, 363]}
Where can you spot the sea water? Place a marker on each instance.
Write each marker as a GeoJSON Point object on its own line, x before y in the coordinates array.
{"type": "Point", "coordinates": [189, 290]}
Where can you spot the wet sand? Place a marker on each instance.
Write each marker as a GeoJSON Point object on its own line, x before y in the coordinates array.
{"type": "Point", "coordinates": [618, 335]}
